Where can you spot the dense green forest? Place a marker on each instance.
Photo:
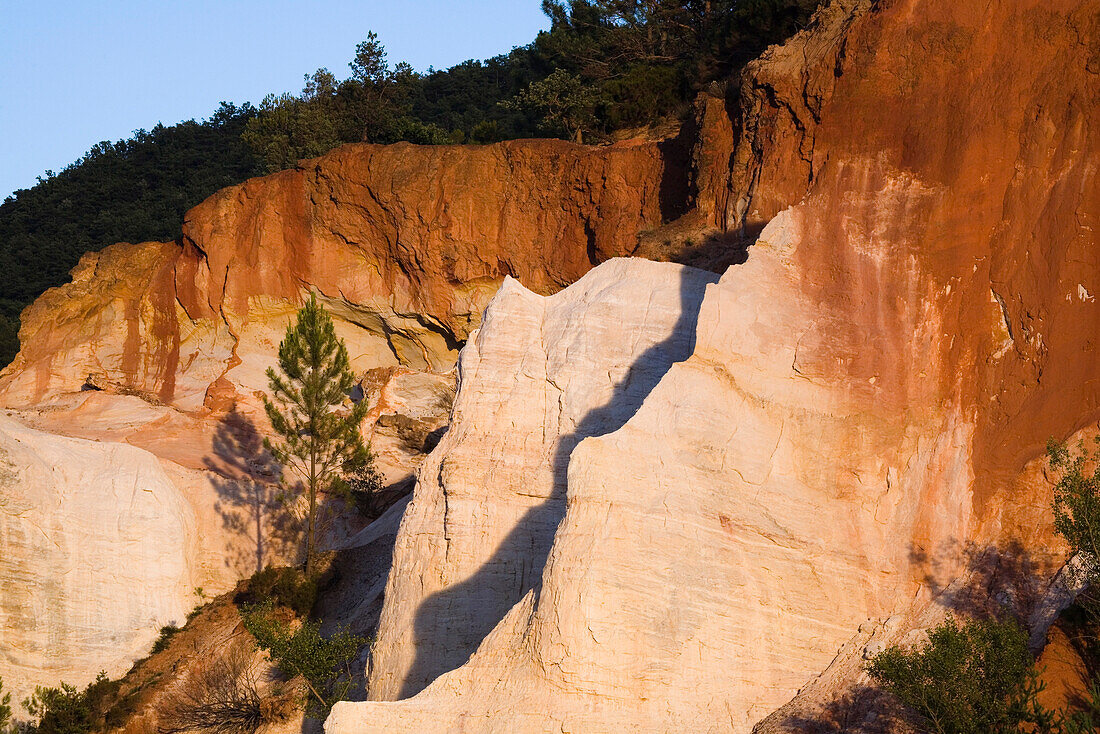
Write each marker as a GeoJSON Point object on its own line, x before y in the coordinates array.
{"type": "Point", "coordinates": [604, 65]}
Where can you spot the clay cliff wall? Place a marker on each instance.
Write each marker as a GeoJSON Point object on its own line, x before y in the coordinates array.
{"type": "Point", "coordinates": [405, 244]}
{"type": "Point", "coordinates": [848, 444]}
{"type": "Point", "coordinates": [158, 351]}
{"type": "Point", "coordinates": [854, 447]}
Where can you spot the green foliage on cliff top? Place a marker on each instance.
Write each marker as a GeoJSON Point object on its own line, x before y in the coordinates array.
{"type": "Point", "coordinates": [604, 65]}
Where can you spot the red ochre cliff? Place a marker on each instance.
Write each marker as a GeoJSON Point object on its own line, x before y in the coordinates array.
{"type": "Point", "coordinates": [405, 243]}
{"type": "Point", "coordinates": [853, 448]}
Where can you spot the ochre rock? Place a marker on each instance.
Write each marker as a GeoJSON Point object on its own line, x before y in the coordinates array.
{"type": "Point", "coordinates": [95, 482]}
{"type": "Point", "coordinates": [115, 322]}
{"type": "Point", "coordinates": [410, 411]}
{"type": "Point", "coordinates": [405, 245]}
{"type": "Point", "coordinates": [854, 447]}
{"type": "Point", "coordinates": [164, 346]}
{"type": "Point", "coordinates": [554, 370]}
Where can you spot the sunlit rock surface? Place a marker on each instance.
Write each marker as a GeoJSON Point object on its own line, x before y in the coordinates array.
{"type": "Point", "coordinates": [851, 448]}
{"type": "Point", "coordinates": [164, 346]}
{"type": "Point", "coordinates": [404, 244]}
{"type": "Point", "coordinates": [854, 447]}
{"type": "Point", "coordinates": [549, 371]}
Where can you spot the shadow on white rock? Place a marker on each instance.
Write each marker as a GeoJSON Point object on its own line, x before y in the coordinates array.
{"type": "Point", "coordinates": [543, 374]}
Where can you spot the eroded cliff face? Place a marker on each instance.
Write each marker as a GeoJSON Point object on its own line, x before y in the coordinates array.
{"type": "Point", "coordinates": [555, 371]}
{"type": "Point", "coordinates": [853, 447]}
{"type": "Point", "coordinates": [97, 551]}
{"type": "Point", "coordinates": [114, 510]}
{"type": "Point", "coordinates": [163, 347]}
{"type": "Point", "coordinates": [405, 245]}
{"type": "Point", "coordinates": [846, 447]}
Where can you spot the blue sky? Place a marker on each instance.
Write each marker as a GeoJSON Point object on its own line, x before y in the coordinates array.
{"type": "Point", "coordinates": [74, 72]}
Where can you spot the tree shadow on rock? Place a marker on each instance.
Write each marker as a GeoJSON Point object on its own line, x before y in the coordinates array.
{"type": "Point", "coordinates": [861, 708]}
{"type": "Point", "coordinates": [452, 623]}
{"type": "Point", "coordinates": [979, 580]}
{"type": "Point", "coordinates": [249, 495]}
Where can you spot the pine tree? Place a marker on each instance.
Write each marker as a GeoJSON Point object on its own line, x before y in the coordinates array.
{"type": "Point", "coordinates": [320, 442]}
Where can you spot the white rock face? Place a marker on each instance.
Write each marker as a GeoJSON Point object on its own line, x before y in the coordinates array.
{"type": "Point", "coordinates": [716, 550]}
{"type": "Point", "coordinates": [96, 547]}
{"type": "Point", "coordinates": [68, 524]}
{"type": "Point", "coordinates": [541, 375]}
{"type": "Point", "coordinates": [105, 536]}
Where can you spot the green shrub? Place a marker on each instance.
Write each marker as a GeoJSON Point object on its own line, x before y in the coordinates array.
{"type": "Point", "coordinates": [62, 710]}
{"type": "Point", "coordinates": [972, 678]}
{"type": "Point", "coordinates": [285, 587]}
{"type": "Point", "coordinates": [69, 710]}
{"type": "Point", "coordinates": [167, 632]}
{"type": "Point", "coordinates": [979, 676]}
{"type": "Point", "coordinates": [1076, 502]}
{"type": "Point", "coordinates": [5, 708]}
{"type": "Point", "coordinates": [323, 663]}
{"type": "Point", "coordinates": [361, 490]}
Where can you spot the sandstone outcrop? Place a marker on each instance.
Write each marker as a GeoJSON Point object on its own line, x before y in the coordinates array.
{"type": "Point", "coordinates": [854, 446]}
{"type": "Point", "coordinates": [97, 551]}
{"type": "Point", "coordinates": [410, 412]}
{"type": "Point", "coordinates": [554, 370]}
{"type": "Point", "coordinates": [851, 446]}
{"type": "Point", "coordinates": [221, 518]}
{"type": "Point", "coordinates": [163, 346]}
